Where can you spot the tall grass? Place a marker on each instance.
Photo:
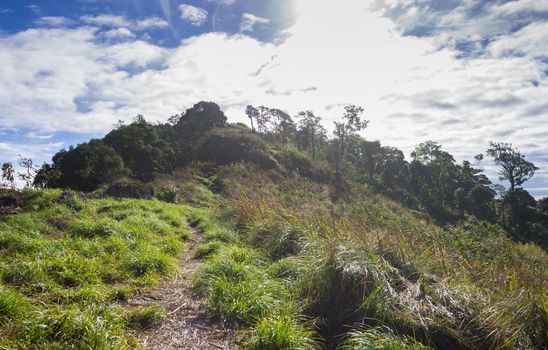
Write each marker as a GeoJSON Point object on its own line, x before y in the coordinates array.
{"type": "Point", "coordinates": [67, 262]}
{"type": "Point", "coordinates": [368, 262]}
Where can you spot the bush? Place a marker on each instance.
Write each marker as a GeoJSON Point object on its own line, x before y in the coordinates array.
{"type": "Point", "coordinates": [168, 194]}
{"type": "Point", "coordinates": [225, 146]}
{"type": "Point", "coordinates": [128, 188]}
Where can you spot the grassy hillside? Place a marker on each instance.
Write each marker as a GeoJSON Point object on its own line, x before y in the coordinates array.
{"type": "Point", "coordinates": [286, 264]}
{"type": "Point", "coordinates": [299, 272]}
{"type": "Point", "coordinates": [68, 264]}
{"type": "Point", "coordinates": [299, 251]}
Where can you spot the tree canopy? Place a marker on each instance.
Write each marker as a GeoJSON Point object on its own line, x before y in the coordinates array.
{"type": "Point", "coordinates": [514, 167]}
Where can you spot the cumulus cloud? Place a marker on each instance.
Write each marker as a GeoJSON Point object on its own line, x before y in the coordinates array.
{"type": "Point", "coordinates": [195, 16]}
{"type": "Point", "coordinates": [249, 21]}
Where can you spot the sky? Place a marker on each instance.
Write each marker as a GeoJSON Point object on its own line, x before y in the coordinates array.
{"type": "Point", "coordinates": [460, 72]}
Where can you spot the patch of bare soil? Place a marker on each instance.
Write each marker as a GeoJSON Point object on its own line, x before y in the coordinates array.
{"type": "Point", "coordinates": [187, 326]}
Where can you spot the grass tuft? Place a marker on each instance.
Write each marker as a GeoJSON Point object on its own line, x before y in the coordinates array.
{"type": "Point", "coordinates": [145, 317]}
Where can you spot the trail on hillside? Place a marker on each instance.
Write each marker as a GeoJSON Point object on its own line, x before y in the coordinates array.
{"type": "Point", "coordinates": [187, 327]}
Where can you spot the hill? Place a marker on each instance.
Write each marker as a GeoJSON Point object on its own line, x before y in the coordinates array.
{"type": "Point", "coordinates": [305, 242]}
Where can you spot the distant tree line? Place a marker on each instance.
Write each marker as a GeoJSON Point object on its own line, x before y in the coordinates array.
{"type": "Point", "coordinates": [432, 181]}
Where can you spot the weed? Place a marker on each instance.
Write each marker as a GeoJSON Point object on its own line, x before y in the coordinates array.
{"type": "Point", "coordinates": [11, 305]}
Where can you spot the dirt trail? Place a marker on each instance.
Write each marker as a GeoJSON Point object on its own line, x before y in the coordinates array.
{"type": "Point", "coordinates": [187, 326]}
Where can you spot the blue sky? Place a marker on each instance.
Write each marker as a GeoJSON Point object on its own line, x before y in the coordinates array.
{"type": "Point", "coordinates": [461, 72]}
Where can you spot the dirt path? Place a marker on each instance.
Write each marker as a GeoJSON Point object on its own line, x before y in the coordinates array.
{"type": "Point", "coordinates": [187, 326]}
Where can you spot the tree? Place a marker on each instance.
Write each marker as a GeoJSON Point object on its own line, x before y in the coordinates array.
{"type": "Point", "coordinates": [263, 117]}
{"type": "Point", "coordinates": [84, 167]}
{"type": "Point", "coordinates": [542, 205]}
{"type": "Point", "coordinates": [311, 131]}
{"type": "Point", "coordinates": [252, 113]}
{"type": "Point", "coordinates": [198, 120]}
{"type": "Point", "coordinates": [519, 212]}
{"type": "Point", "coordinates": [350, 124]}
{"type": "Point", "coordinates": [8, 174]}
{"type": "Point", "coordinates": [283, 126]}
{"type": "Point", "coordinates": [47, 176]}
{"type": "Point", "coordinates": [515, 168]}
{"type": "Point", "coordinates": [142, 149]}
{"type": "Point", "coordinates": [430, 152]}
{"type": "Point", "coordinates": [29, 170]}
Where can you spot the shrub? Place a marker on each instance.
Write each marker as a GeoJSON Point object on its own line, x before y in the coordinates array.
{"type": "Point", "coordinates": [127, 188]}
{"type": "Point", "coordinates": [168, 194]}
{"type": "Point", "coordinates": [225, 146]}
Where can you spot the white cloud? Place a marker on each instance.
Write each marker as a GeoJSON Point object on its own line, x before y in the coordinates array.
{"type": "Point", "coordinates": [249, 21]}
{"type": "Point", "coordinates": [38, 152]}
{"type": "Point", "coordinates": [223, 2]}
{"type": "Point", "coordinates": [106, 21]}
{"type": "Point", "coordinates": [152, 22]}
{"type": "Point", "coordinates": [523, 6]}
{"type": "Point", "coordinates": [37, 136]}
{"type": "Point", "coordinates": [33, 7]}
{"type": "Point", "coordinates": [53, 21]}
{"type": "Point", "coordinates": [529, 41]}
{"type": "Point", "coordinates": [118, 33]}
{"type": "Point", "coordinates": [195, 16]}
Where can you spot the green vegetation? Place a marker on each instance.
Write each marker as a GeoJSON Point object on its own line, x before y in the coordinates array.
{"type": "Point", "coordinates": [431, 182]}
{"type": "Point", "coordinates": [364, 273]}
{"type": "Point", "coordinates": [69, 263]}
{"type": "Point", "coordinates": [308, 242]}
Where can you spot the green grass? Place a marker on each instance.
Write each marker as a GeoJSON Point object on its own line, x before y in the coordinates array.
{"type": "Point", "coordinates": [379, 339]}
{"type": "Point", "coordinates": [244, 286]}
{"type": "Point", "coordinates": [368, 273]}
{"type": "Point", "coordinates": [144, 317]}
{"type": "Point", "coordinates": [285, 265]}
{"type": "Point", "coordinates": [67, 262]}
